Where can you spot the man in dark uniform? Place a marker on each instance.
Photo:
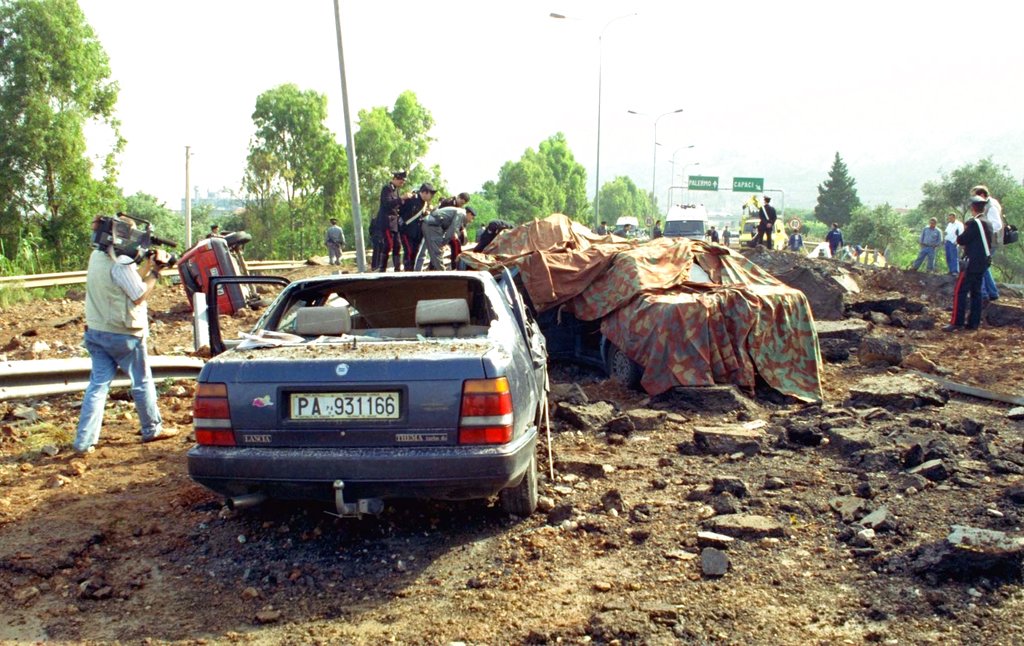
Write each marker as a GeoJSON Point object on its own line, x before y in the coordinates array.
{"type": "Point", "coordinates": [765, 224]}
{"type": "Point", "coordinates": [380, 228]}
{"type": "Point", "coordinates": [410, 214]}
{"type": "Point", "coordinates": [977, 243]}
{"type": "Point", "coordinates": [490, 232]}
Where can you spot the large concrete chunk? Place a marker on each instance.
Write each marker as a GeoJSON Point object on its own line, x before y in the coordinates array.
{"type": "Point", "coordinates": [586, 416]}
{"type": "Point", "coordinates": [824, 293]}
{"type": "Point", "coordinates": [849, 330]}
{"type": "Point", "coordinates": [970, 553]}
{"type": "Point", "coordinates": [886, 303]}
{"type": "Point", "coordinates": [647, 419]}
{"type": "Point", "coordinates": [999, 315]}
{"type": "Point", "coordinates": [726, 440]}
{"type": "Point", "coordinates": [746, 526]}
{"type": "Point", "coordinates": [850, 440]}
{"type": "Point", "coordinates": [707, 399]}
{"type": "Point", "coordinates": [898, 392]}
{"type": "Point", "coordinates": [880, 351]}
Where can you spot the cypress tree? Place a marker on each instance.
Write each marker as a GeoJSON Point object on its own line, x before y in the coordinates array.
{"type": "Point", "coordinates": [837, 197]}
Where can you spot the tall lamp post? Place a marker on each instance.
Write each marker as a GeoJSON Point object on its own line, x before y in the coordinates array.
{"type": "Point", "coordinates": [600, 64]}
{"type": "Point", "coordinates": [654, 163]}
{"type": "Point", "coordinates": [686, 177]}
{"type": "Point", "coordinates": [673, 160]}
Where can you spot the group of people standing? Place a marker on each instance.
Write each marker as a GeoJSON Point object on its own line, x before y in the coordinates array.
{"type": "Point", "coordinates": [406, 225]}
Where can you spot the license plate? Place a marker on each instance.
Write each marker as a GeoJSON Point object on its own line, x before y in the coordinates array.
{"type": "Point", "coordinates": [374, 405]}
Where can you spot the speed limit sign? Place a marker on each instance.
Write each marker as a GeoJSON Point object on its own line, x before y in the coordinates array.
{"type": "Point", "coordinates": [794, 224]}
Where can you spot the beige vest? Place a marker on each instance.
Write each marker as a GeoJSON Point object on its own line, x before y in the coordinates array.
{"type": "Point", "coordinates": [107, 307]}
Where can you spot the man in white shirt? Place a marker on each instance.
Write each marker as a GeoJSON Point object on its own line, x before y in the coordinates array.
{"type": "Point", "coordinates": [954, 228]}
{"type": "Point", "coordinates": [994, 216]}
{"type": "Point", "coordinates": [117, 325]}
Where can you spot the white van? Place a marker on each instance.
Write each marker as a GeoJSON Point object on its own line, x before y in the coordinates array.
{"type": "Point", "coordinates": [686, 221]}
{"type": "Point", "coordinates": [627, 226]}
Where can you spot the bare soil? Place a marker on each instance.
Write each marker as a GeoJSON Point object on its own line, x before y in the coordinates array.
{"type": "Point", "coordinates": [121, 547]}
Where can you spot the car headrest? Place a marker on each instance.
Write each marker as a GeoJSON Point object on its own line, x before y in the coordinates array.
{"type": "Point", "coordinates": [442, 311]}
{"type": "Point", "coordinates": [323, 321]}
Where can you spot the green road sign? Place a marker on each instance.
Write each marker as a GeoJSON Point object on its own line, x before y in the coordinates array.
{"type": "Point", "coordinates": [748, 184]}
{"type": "Point", "coordinates": [702, 183]}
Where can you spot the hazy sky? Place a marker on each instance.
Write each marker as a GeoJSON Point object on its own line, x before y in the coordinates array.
{"type": "Point", "coordinates": [904, 91]}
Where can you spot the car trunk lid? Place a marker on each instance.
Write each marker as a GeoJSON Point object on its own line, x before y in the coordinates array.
{"type": "Point", "coordinates": [382, 395]}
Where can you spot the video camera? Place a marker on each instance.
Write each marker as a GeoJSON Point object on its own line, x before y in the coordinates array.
{"type": "Point", "coordinates": [128, 239]}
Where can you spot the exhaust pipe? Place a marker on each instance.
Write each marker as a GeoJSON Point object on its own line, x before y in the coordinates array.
{"type": "Point", "coordinates": [246, 500]}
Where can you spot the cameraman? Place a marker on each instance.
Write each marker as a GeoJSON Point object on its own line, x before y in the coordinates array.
{"type": "Point", "coordinates": [117, 325]}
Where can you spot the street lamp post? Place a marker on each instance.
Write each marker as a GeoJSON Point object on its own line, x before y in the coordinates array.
{"type": "Point", "coordinates": [654, 163]}
{"type": "Point", "coordinates": [683, 183]}
{"type": "Point", "coordinates": [686, 177]}
{"type": "Point", "coordinates": [600, 65]}
{"type": "Point", "coordinates": [673, 160]}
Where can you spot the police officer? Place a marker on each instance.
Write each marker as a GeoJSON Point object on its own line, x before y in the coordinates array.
{"type": "Point", "coordinates": [411, 233]}
{"type": "Point", "coordinates": [381, 226]}
{"type": "Point", "coordinates": [459, 237]}
{"type": "Point", "coordinates": [440, 226]}
{"type": "Point", "coordinates": [334, 238]}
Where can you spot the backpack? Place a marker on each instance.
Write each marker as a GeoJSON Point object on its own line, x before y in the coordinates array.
{"type": "Point", "coordinates": [1009, 234]}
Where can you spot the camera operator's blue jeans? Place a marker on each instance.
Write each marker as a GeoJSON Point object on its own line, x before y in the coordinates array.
{"type": "Point", "coordinates": [109, 351]}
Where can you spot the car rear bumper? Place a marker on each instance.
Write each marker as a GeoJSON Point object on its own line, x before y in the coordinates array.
{"type": "Point", "coordinates": [444, 473]}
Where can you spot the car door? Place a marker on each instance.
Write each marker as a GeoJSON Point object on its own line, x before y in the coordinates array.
{"type": "Point", "coordinates": [217, 283]}
{"type": "Point", "coordinates": [526, 323]}
{"type": "Point", "coordinates": [535, 358]}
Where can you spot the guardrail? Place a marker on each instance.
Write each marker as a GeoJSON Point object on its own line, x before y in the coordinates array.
{"type": "Point", "coordinates": [41, 377]}
{"type": "Point", "coordinates": [78, 277]}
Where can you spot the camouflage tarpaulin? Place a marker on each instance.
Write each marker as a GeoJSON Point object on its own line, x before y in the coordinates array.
{"type": "Point", "coordinates": [558, 258]}
{"type": "Point", "coordinates": [691, 313]}
{"type": "Point", "coordinates": [725, 335]}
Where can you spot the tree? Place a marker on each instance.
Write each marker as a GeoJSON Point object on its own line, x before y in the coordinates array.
{"type": "Point", "coordinates": [622, 197]}
{"type": "Point", "coordinates": [837, 197]}
{"type": "Point", "coordinates": [1010, 258]}
{"type": "Point", "coordinates": [525, 189]}
{"type": "Point", "coordinates": [54, 80]}
{"type": "Point", "coordinates": [542, 182]}
{"type": "Point", "coordinates": [292, 176]}
{"type": "Point", "coordinates": [570, 178]}
{"type": "Point", "coordinates": [880, 228]}
{"type": "Point", "coordinates": [953, 190]}
{"type": "Point", "coordinates": [392, 140]}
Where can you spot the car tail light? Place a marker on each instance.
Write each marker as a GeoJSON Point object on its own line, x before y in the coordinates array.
{"type": "Point", "coordinates": [211, 416]}
{"type": "Point", "coordinates": [486, 415]}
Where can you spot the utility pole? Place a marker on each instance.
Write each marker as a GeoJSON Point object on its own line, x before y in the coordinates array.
{"type": "Point", "coordinates": [188, 201]}
{"type": "Point", "coordinates": [350, 146]}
